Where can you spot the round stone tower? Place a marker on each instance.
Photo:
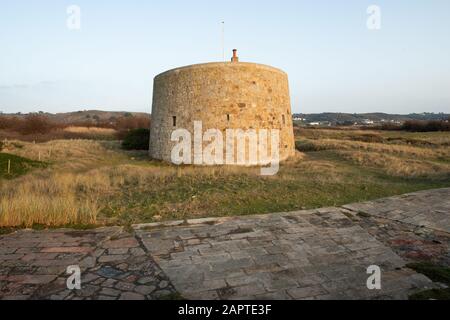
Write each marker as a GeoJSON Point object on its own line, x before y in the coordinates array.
{"type": "Point", "coordinates": [222, 95]}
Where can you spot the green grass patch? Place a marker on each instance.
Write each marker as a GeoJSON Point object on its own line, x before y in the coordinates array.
{"type": "Point", "coordinates": [7, 230]}
{"type": "Point", "coordinates": [79, 226]}
{"type": "Point", "coordinates": [436, 273]}
{"type": "Point", "coordinates": [433, 294]}
{"type": "Point", "coordinates": [18, 165]}
{"type": "Point", "coordinates": [322, 179]}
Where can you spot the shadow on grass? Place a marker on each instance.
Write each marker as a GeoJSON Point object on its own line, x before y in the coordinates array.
{"type": "Point", "coordinates": [17, 165]}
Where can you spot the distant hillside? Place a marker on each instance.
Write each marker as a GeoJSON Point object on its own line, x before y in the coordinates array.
{"type": "Point", "coordinates": [376, 117]}
{"type": "Point", "coordinates": [111, 116]}
{"type": "Point", "coordinates": [86, 115]}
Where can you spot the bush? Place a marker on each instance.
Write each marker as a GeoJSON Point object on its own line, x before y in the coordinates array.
{"type": "Point", "coordinates": [137, 139]}
{"type": "Point", "coordinates": [8, 122]}
{"type": "Point", "coordinates": [418, 126]}
{"type": "Point", "coordinates": [132, 122]}
{"type": "Point", "coordinates": [36, 124]}
{"type": "Point", "coordinates": [39, 127]}
{"type": "Point", "coordinates": [426, 126]}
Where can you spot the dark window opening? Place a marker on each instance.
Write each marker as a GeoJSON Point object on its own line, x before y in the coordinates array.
{"type": "Point", "coordinates": [228, 117]}
{"type": "Point", "coordinates": [174, 121]}
{"type": "Point", "coordinates": [284, 119]}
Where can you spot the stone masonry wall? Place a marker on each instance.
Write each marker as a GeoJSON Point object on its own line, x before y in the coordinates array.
{"type": "Point", "coordinates": [232, 95]}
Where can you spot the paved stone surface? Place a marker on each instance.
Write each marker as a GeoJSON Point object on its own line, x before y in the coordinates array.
{"type": "Point", "coordinates": [412, 243]}
{"type": "Point", "coordinates": [114, 266]}
{"type": "Point", "coordinates": [313, 254]}
{"type": "Point", "coordinates": [316, 254]}
{"type": "Point", "coordinates": [272, 256]}
{"type": "Point", "coordinates": [423, 209]}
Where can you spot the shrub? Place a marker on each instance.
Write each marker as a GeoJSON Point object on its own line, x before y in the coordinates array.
{"type": "Point", "coordinates": [385, 127]}
{"type": "Point", "coordinates": [36, 124]}
{"type": "Point", "coordinates": [426, 126]}
{"type": "Point", "coordinates": [418, 126]}
{"type": "Point", "coordinates": [132, 122]}
{"type": "Point", "coordinates": [8, 122]}
{"type": "Point", "coordinates": [137, 139]}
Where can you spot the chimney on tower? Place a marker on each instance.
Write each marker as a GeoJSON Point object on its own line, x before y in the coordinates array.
{"type": "Point", "coordinates": [235, 58]}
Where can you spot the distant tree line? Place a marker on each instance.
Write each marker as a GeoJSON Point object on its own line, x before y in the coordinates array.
{"type": "Point", "coordinates": [41, 124]}
{"type": "Point", "coordinates": [418, 126]}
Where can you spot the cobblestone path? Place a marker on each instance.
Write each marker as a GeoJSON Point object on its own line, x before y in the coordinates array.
{"type": "Point", "coordinates": [33, 265]}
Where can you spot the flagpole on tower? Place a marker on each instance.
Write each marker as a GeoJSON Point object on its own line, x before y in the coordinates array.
{"type": "Point", "coordinates": [223, 41]}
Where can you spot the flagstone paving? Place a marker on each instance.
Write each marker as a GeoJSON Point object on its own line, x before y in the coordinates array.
{"type": "Point", "coordinates": [311, 254]}
{"type": "Point", "coordinates": [318, 254]}
{"type": "Point", "coordinates": [422, 209]}
{"type": "Point", "coordinates": [33, 265]}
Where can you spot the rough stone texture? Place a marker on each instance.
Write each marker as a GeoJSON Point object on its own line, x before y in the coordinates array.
{"type": "Point", "coordinates": [232, 95]}
{"type": "Point", "coordinates": [422, 209]}
{"type": "Point", "coordinates": [313, 254]}
{"type": "Point", "coordinates": [113, 264]}
{"type": "Point", "coordinates": [415, 225]}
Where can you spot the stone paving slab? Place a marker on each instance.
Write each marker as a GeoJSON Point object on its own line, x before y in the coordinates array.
{"type": "Point", "coordinates": [33, 265]}
{"type": "Point", "coordinates": [315, 254]}
{"type": "Point", "coordinates": [430, 208]}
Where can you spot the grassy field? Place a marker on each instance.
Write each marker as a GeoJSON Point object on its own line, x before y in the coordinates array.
{"type": "Point", "coordinates": [95, 182]}
{"type": "Point", "coordinates": [17, 165]}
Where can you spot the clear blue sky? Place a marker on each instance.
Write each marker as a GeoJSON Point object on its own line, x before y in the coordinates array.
{"type": "Point", "coordinates": [334, 62]}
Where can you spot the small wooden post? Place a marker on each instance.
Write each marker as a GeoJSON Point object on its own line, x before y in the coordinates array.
{"type": "Point", "coordinates": [39, 156]}
{"type": "Point", "coordinates": [9, 166]}
{"type": "Point", "coordinates": [179, 172]}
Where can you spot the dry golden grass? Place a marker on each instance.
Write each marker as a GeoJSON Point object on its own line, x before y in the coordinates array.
{"type": "Point", "coordinates": [68, 155]}
{"type": "Point", "coordinates": [91, 131]}
{"type": "Point", "coordinates": [55, 197]}
{"type": "Point", "coordinates": [90, 182]}
{"type": "Point", "coordinates": [400, 155]}
{"type": "Point", "coordinates": [65, 193]}
{"type": "Point", "coordinates": [334, 133]}
{"type": "Point", "coordinates": [51, 201]}
{"type": "Point", "coordinates": [420, 152]}
{"type": "Point", "coordinates": [397, 166]}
